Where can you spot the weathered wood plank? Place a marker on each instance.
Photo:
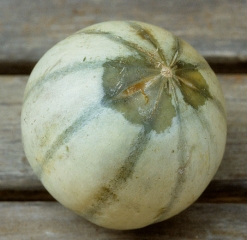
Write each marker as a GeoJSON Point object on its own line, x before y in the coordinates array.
{"type": "Point", "coordinates": [16, 174]}
{"type": "Point", "coordinates": [217, 28]}
{"type": "Point", "coordinates": [14, 168]}
{"type": "Point", "coordinates": [234, 162]}
{"type": "Point", "coordinates": [46, 220]}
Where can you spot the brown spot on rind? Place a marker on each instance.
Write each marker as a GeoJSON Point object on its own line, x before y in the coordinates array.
{"type": "Point", "coordinates": [135, 88]}
{"type": "Point", "coordinates": [147, 35]}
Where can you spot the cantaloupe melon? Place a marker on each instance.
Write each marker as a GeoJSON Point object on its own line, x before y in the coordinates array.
{"type": "Point", "coordinates": [124, 124]}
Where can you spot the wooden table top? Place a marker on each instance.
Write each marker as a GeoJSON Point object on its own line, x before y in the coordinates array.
{"type": "Point", "coordinates": [216, 28]}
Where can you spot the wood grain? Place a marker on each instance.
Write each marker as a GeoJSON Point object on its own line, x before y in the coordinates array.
{"type": "Point", "coordinates": [234, 162]}
{"type": "Point", "coordinates": [217, 28]}
{"type": "Point", "coordinates": [16, 174]}
{"type": "Point", "coordinates": [50, 220]}
{"type": "Point", "coordinates": [15, 171]}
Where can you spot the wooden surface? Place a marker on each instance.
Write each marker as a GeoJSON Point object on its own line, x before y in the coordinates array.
{"type": "Point", "coordinates": [216, 28]}
{"type": "Point", "coordinates": [42, 220]}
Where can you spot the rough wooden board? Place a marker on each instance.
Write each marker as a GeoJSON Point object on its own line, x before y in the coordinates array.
{"type": "Point", "coordinates": [16, 174]}
{"type": "Point", "coordinates": [217, 28]}
{"type": "Point", "coordinates": [234, 162]}
{"type": "Point", "coordinates": [39, 220]}
{"type": "Point", "coordinates": [14, 168]}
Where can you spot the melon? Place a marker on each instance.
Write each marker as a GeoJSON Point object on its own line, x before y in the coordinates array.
{"type": "Point", "coordinates": [124, 123]}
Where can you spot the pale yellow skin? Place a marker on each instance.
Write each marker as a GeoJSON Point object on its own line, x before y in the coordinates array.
{"type": "Point", "coordinates": [80, 148]}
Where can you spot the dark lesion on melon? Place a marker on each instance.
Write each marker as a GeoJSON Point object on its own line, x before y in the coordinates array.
{"type": "Point", "coordinates": [192, 84]}
{"type": "Point", "coordinates": [130, 85]}
{"type": "Point", "coordinates": [143, 86]}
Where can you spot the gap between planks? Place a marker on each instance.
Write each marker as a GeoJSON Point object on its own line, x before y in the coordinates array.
{"type": "Point", "coordinates": [218, 191]}
{"type": "Point", "coordinates": [226, 66]}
